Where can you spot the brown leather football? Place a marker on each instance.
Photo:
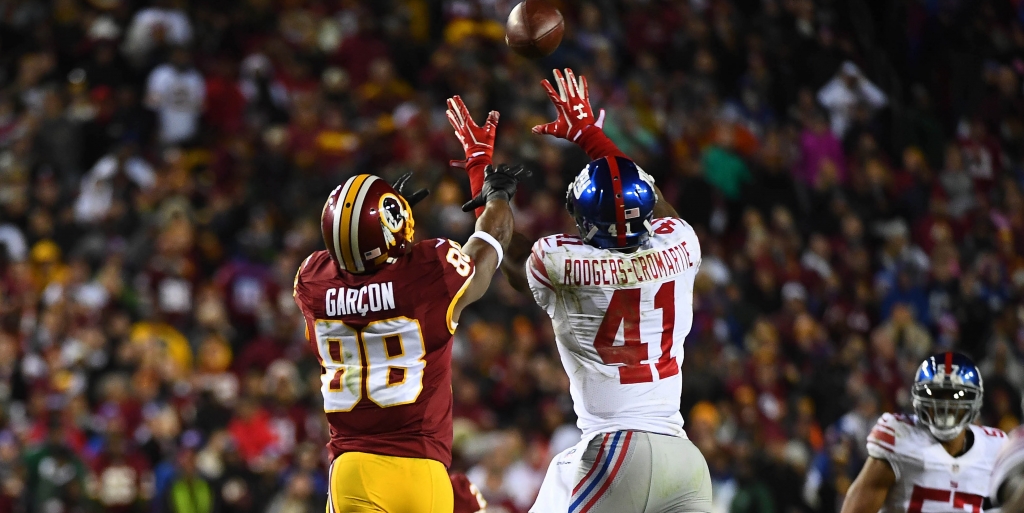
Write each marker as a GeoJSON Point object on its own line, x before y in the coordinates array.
{"type": "Point", "coordinates": [534, 29]}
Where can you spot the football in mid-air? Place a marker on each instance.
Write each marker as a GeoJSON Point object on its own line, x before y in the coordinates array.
{"type": "Point", "coordinates": [534, 28]}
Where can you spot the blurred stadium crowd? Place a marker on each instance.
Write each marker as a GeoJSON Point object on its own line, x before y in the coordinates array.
{"type": "Point", "coordinates": [854, 170]}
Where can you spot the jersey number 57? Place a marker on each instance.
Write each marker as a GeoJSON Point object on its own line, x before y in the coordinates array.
{"type": "Point", "coordinates": [961, 501]}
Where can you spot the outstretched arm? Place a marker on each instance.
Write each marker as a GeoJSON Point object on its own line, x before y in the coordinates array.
{"type": "Point", "coordinates": [496, 221]}
{"type": "Point", "coordinates": [663, 208]}
{"type": "Point", "coordinates": [576, 122]}
{"type": "Point", "coordinates": [488, 244]}
{"type": "Point", "coordinates": [514, 264]}
{"type": "Point", "coordinates": [477, 143]}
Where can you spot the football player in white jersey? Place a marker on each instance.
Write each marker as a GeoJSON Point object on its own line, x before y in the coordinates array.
{"type": "Point", "coordinates": [936, 461]}
{"type": "Point", "coordinates": [620, 297]}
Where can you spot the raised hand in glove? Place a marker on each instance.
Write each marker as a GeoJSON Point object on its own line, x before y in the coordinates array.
{"type": "Point", "coordinates": [572, 101]}
{"type": "Point", "coordinates": [412, 198]}
{"type": "Point", "coordinates": [477, 141]}
{"type": "Point", "coordinates": [499, 183]}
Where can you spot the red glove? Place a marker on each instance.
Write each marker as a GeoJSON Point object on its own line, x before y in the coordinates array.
{"type": "Point", "coordinates": [467, 498]}
{"type": "Point", "coordinates": [576, 121]}
{"type": "Point", "coordinates": [477, 142]}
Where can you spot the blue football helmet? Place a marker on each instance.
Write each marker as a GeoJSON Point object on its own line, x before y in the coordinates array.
{"type": "Point", "coordinates": [947, 394]}
{"type": "Point", "coordinates": [612, 201]}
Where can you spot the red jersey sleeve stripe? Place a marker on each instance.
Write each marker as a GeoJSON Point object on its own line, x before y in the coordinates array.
{"type": "Point", "coordinates": [538, 265]}
{"type": "Point", "coordinates": [541, 280]}
{"type": "Point", "coordinates": [536, 253]}
{"type": "Point", "coordinates": [882, 436]}
{"type": "Point", "coordinates": [882, 446]}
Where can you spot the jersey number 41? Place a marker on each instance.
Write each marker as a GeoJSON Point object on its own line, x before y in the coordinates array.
{"type": "Point", "coordinates": [624, 310]}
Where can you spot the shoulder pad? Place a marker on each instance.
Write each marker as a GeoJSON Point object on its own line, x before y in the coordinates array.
{"type": "Point", "coordinates": [992, 439]}
{"type": "Point", "coordinates": [897, 435]}
{"type": "Point", "coordinates": [316, 266]}
{"type": "Point", "coordinates": [996, 433]}
{"type": "Point", "coordinates": [298, 273]}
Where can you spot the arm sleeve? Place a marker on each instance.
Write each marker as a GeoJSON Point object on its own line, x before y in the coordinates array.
{"type": "Point", "coordinates": [597, 145]}
{"type": "Point", "coordinates": [540, 279]}
{"type": "Point", "coordinates": [475, 169]}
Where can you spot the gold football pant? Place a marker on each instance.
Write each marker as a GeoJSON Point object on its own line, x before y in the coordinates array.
{"type": "Point", "coordinates": [365, 483]}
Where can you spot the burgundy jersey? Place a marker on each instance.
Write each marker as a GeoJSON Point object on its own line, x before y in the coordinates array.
{"type": "Point", "coordinates": [384, 341]}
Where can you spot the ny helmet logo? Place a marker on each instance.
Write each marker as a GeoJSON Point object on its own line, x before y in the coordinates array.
{"type": "Point", "coordinates": [953, 376]}
{"type": "Point", "coordinates": [582, 183]}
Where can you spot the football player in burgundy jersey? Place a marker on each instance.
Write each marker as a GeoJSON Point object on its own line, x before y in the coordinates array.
{"type": "Point", "coordinates": [380, 311]}
{"type": "Point", "coordinates": [468, 498]}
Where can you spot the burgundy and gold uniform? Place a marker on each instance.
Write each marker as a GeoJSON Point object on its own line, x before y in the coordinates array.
{"type": "Point", "coordinates": [385, 342]}
{"type": "Point", "coordinates": [378, 311]}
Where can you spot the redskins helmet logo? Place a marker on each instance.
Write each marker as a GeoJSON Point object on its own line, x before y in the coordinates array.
{"type": "Point", "coordinates": [392, 217]}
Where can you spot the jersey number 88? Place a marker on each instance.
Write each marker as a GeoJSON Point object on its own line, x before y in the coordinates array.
{"type": "Point", "coordinates": [393, 351]}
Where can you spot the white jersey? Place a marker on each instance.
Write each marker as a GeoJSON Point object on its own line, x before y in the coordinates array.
{"type": "Point", "coordinates": [928, 479]}
{"type": "Point", "coordinates": [619, 321]}
{"type": "Point", "coordinates": [1009, 463]}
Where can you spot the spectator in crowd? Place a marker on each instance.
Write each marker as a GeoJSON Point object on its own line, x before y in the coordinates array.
{"type": "Point", "coordinates": [109, 187]}
{"type": "Point", "coordinates": [849, 95]}
{"type": "Point", "coordinates": [153, 29]}
{"type": "Point", "coordinates": [188, 491]}
{"type": "Point", "coordinates": [177, 93]}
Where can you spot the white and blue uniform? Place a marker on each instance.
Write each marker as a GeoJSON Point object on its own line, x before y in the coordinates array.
{"type": "Point", "coordinates": [619, 320]}
{"type": "Point", "coordinates": [929, 479]}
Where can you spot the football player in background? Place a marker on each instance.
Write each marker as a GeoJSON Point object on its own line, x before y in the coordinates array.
{"type": "Point", "coordinates": [468, 498]}
{"type": "Point", "coordinates": [936, 460]}
{"type": "Point", "coordinates": [620, 297]}
{"type": "Point", "coordinates": [380, 311]}
{"type": "Point", "coordinates": [1006, 488]}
